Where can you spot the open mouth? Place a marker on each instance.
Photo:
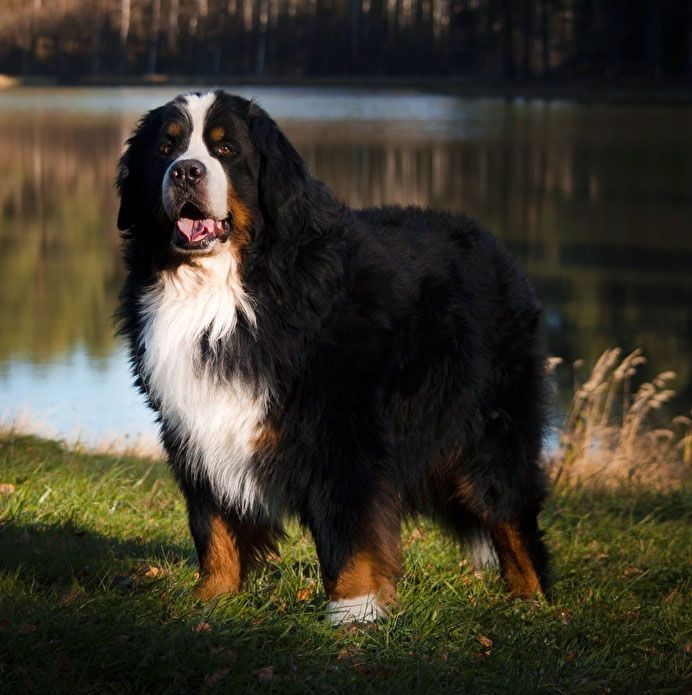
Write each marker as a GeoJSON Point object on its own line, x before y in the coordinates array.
{"type": "Point", "coordinates": [196, 232]}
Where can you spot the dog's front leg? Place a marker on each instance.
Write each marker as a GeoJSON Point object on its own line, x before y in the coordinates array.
{"type": "Point", "coordinates": [227, 547]}
{"type": "Point", "coordinates": [221, 565]}
{"type": "Point", "coordinates": [360, 559]}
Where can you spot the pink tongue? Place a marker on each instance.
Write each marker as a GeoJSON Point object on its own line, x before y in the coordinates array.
{"type": "Point", "coordinates": [194, 230]}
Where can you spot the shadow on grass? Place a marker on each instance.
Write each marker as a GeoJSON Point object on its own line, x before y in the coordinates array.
{"type": "Point", "coordinates": [76, 615]}
{"type": "Point", "coordinates": [57, 554]}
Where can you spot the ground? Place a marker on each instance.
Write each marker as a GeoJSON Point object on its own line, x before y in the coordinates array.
{"type": "Point", "coordinates": [97, 568]}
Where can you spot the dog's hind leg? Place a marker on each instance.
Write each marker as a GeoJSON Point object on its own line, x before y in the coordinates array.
{"type": "Point", "coordinates": [497, 496]}
{"type": "Point", "coordinates": [522, 555]}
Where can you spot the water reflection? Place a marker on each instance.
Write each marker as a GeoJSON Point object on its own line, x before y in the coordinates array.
{"type": "Point", "coordinates": [595, 201]}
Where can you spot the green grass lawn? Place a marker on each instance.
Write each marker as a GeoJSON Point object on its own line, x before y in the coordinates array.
{"type": "Point", "coordinates": [97, 568]}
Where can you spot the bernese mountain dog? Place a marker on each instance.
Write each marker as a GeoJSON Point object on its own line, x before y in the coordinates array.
{"type": "Point", "coordinates": [348, 368]}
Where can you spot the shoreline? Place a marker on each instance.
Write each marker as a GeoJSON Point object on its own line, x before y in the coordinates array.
{"type": "Point", "coordinates": [581, 92]}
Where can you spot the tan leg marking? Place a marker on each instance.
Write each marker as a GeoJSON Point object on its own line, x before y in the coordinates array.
{"type": "Point", "coordinates": [515, 561]}
{"type": "Point", "coordinates": [365, 574]}
{"type": "Point", "coordinates": [220, 568]}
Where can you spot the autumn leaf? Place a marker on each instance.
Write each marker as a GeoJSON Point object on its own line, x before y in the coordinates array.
{"type": "Point", "coordinates": [266, 674]}
{"type": "Point", "coordinates": [70, 597]}
{"type": "Point", "coordinates": [213, 678]}
{"type": "Point", "coordinates": [62, 663]}
{"type": "Point", "coordinates": [226, 654]}
{"type": "Point", "coordinates": [151, 571]}
{"type": "Point", "coordinates": [632, 571]}
{"type": "Point", "coordinates": [6, 489]}
{"type": "Point", "coordinates": [202, 627]}
{"type": "Point", "coordinates": [485, 642]}
{"type": "Point", "coordinates": [564, 616]}
{"type": "Point", "coordinates": [306, 592]}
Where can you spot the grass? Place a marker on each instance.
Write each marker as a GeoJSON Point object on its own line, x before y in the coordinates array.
{"type": "Point", "coordinates": [97, 567]}
{"type": "Point", "coordinates": [611, 432]}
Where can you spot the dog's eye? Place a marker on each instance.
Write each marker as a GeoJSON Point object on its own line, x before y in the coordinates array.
{"type": "Point", "coordinates": [223, 150]}
{"type": "Point", "coordinates": [166, 148]}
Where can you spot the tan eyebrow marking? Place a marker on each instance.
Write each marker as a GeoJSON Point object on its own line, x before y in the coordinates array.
{"type": "Point", "coordinates": [217, 133]}
{"type": "Point", "coordinates": [174, 129]}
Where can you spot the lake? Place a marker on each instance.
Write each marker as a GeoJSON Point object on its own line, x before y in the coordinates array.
{"type": "Point", "coordinates": [594, 200]}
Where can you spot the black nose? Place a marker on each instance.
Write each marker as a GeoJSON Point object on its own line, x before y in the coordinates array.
{"type": "Point", "coordinates": [188, 171]}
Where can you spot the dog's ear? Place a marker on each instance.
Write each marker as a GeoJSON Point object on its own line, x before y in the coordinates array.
{"type": "Point", "coordinates": [282, 176]}
{"type": "Point", "coordinates": [133, 165]}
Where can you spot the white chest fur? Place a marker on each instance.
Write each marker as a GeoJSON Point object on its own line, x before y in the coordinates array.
{"type": "Point", "coordinates": [217, 419]}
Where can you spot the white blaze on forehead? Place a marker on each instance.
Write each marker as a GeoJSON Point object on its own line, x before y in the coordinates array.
{"type": "Point", "coordinates": [214, 190]}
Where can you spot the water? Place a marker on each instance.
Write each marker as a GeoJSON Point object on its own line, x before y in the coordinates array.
{"type": "Point", "coordinates": [595, 200]}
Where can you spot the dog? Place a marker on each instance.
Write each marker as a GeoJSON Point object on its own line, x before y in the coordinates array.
{"type": "Point", "coordinates": [348, 368]}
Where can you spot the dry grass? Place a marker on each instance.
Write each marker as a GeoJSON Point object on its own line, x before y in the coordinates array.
{"type": "Point", "coordinates": [610, 434]}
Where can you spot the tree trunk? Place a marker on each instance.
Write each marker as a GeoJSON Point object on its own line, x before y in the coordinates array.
{"type": "Point", "coordinates": [355, 31]}
{"type": "Point", "coordinates": [152, 58]}
{"type": "Point", "coordinates": [527, 37]}
{"type": "Point", "coordinates": [125, 10]}
{"type": "Point", "coordinates": [172, 32]}
{"type": "Point", "coordinates": [545, 38]}
{"type": "Point", "coordinates": [262, 22]}
{"type": "Point", "coordinates": [507, 43]}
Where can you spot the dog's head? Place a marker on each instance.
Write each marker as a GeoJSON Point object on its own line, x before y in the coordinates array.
{"type": "Point", "coordinates": [206, 172]}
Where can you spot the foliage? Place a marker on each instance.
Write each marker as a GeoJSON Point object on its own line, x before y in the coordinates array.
{"type": "Point", "coordinates": [294, 38]}
{"type": "Point", "coordinates": [97, 569]}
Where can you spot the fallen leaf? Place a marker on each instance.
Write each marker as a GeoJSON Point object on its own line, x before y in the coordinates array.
{"type": "Point", "coordinates": [564, 616]}
{"type": "Point", "coordinates": [6, 489]}
{"type": "Point", "coordinates": [306, 592]}
{"type": "Point", "coordinates": [215, 677]}
{"type": "Point", "coordinates": [671, 596]}
{"type": "Point", "coordinates": [202, 627]}
{"type": "Point", "coordinates": [62, 663]}
{"type": "Point", "coordinates": [26, 629]}
{"type": "Point", "coordinates": [266, 674]}
{"type": "Point", "coordinates": [416, 535]}
{"type": "Point", "coordinates": [484, 641]}
{"type": "Point", "coordinates": [347, 653]}
{"type": "Point", "coordinates": [148, 570]}
{"type": "Point", "coordinates": [599, 557]}
{"type": "Point", "coordinates": [226, 654]}
{"type": "Point", "coordinates": [632, 571]}
{"type": "Point", "coordinates": [70, 597]}
{"type": "Point", "coordinates": [688, 648]}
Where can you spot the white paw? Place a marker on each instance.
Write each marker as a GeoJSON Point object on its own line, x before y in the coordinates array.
{"type": "Point", "coordinates": [359, 609]}
{"type": "Point", "coordinates": [482, 552]}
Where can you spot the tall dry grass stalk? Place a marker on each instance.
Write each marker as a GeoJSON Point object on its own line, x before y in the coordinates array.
{"type": "Point", "coordinates": [609, 436]}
